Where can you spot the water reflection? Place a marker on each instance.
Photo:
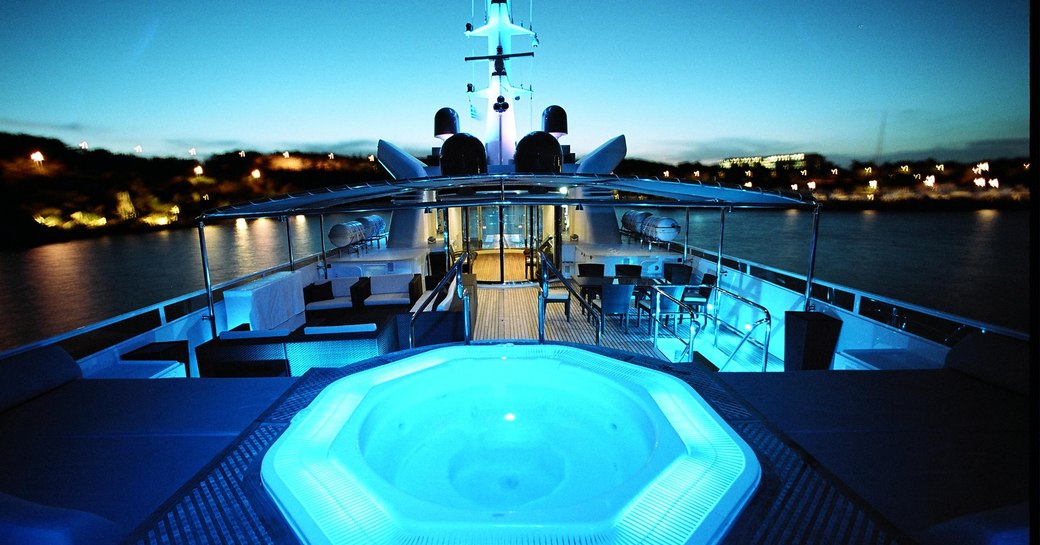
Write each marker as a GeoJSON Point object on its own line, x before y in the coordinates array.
{"type": "Point", "coordinates": [973, 264]}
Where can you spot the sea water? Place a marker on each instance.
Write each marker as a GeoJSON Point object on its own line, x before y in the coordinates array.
{"type": "Point", "coordinates": [967, 263]}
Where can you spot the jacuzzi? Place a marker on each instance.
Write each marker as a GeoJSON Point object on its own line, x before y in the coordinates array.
{"type": "Point", "coordinates": [503, 443]}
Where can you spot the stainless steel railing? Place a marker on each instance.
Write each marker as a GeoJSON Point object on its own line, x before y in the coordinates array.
{"type": "Point", "coordinates": [547, 267]}
{"type": "Point", "coordinates": [695, 326]}
{"type": "Point", "coordinates": [460, 291]}
{"type": "Point", "coordinates": [766, 319]}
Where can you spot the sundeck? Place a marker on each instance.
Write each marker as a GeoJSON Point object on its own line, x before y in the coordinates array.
{"type": "Point", "coordinates": [496, 244]}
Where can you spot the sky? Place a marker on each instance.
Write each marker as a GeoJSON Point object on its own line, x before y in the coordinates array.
{"type": "Point", "coordinates": [683, 80]}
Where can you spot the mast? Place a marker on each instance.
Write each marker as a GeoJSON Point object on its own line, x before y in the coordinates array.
{"type": "Point", "coordinates": [500, 115]}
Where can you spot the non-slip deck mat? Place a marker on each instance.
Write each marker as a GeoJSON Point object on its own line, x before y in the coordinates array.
{"type": "Point", "coordinates": [794, 503]}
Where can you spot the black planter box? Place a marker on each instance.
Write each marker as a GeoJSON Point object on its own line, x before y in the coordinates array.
{"type": "Point", "coordinates": [809, 340]}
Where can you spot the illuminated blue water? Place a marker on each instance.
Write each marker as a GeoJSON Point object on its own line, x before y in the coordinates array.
{"type": "Point", "coordinates": [972, 264]}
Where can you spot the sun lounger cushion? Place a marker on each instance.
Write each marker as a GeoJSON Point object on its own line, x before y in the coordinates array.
{"type": "Point", "coordinates": [29, 374]}
{"type": "Point", "coordinates": [23, 521]}
{"type": "Point", "coordinates": [996, 359]}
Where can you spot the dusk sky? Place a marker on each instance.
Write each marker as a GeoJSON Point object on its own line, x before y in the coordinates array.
{"type": "Point", "coordinates": [683, 80]}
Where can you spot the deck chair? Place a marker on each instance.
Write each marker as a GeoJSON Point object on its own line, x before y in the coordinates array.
{"type": "Point", "coordinates": [697, 296]}
{"type": "Point", "coordinates": [668, 308]}
{"type": "Point", "coordinates": [677, 273]}
{"type": "Point", "coordinates": [590, 269]}
{"type": "Point", "coordinates": [554, 295]}
{"type": "Point", "coordinates": [630, 271]}
{"type": "Point", "coordinates": [616, 300]}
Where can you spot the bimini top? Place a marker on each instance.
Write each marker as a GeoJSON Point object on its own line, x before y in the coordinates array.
{"type": "Point", "coordinates": [509, 189]}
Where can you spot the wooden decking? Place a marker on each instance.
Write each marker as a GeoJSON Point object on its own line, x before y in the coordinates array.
{"type": "Point", "coordinates": [511, 313]}
{"type": "Point", "coordinates": [487, 266]}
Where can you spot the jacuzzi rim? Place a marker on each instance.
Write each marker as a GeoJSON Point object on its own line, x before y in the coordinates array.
{"type": "Point", "coordinates": [739, 466]}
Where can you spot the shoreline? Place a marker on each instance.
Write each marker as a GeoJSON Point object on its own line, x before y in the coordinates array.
{"type": "Point", "coordinates": [29, 234]}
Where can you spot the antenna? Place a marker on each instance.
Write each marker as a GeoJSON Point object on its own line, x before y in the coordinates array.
{"type": "Point", "coordinates": [880, 137]}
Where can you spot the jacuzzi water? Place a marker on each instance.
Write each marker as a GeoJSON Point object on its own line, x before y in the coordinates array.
{"type": "Point", "coordinates": [483, 444]}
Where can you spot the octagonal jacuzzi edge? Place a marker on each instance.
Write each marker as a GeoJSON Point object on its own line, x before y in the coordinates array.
{"type": "Point", "coordinates": [676, 474]}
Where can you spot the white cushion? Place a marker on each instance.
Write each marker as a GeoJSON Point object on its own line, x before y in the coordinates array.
{"type": "Point", "coordinates": [387, 299]}
{"type": "Point", "coordinates": [326, 304]}
{"type": "Point", "coordinates": [341, 286]}
{"type": "Point", "coordinates": [391, 283]}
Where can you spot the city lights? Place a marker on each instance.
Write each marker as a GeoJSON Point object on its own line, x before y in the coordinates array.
{"type": "Point", "coordinates": [198, 170]}
{"type": "Point", "coordinates": [37, 157]}
{"type": "Point", "coordinates": [255, 174]}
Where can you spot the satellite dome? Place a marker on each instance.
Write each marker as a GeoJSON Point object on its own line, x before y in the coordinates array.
{"type": "Point", "coordinates": [463, 154]}
{"type": "Point", "coordinates": [539, 152]}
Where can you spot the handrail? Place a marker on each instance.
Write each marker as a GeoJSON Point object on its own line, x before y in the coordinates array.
{"type": "Point", "coordinates": [766, 320]}
{"type": "Point", "coordinates": [857, 293]}
{"type": "Point", "coordinates": [159, 307]}
{"type": "Point", "coordinates": [544, 292]}
{"type": "Point", "coordinates": [455, 269]}
{"type": "Point", "coordinates": [695, 326]}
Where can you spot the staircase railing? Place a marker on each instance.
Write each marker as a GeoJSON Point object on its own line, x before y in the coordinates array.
{"type": "Point", "coordinates": [749, 330]}
{"type": "Point", "coordinates": [456, 271]}
{"type": "Point", "coordinates": [546, 268]}
{"type": "Point", "coordinates": [695, 325]}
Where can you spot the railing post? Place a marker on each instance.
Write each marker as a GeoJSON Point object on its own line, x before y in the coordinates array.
{"type": "Point", "coordinates": [324, 256]}
{"type": "Point", "coordinates": [288, 238]}
{"type": "Point", "coordinates": [208, 281]}
{"type": "Point", "coordinates": [812, 258]}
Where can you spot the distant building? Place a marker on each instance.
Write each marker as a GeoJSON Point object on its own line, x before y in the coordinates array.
{"type": "Point", "coordinates": [797, 161]}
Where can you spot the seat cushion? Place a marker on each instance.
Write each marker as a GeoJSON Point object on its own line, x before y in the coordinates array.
{"type": "Point", "coordinates": [334, 303]}
{"type": "Point", "coordinates": [29, 374]}
{"type": "Point", "coordinates": [391, 283]}
{"type": "Point", "coordinates": [341, 286]}
{"type": "Point", "coordinates": [388, 299]}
